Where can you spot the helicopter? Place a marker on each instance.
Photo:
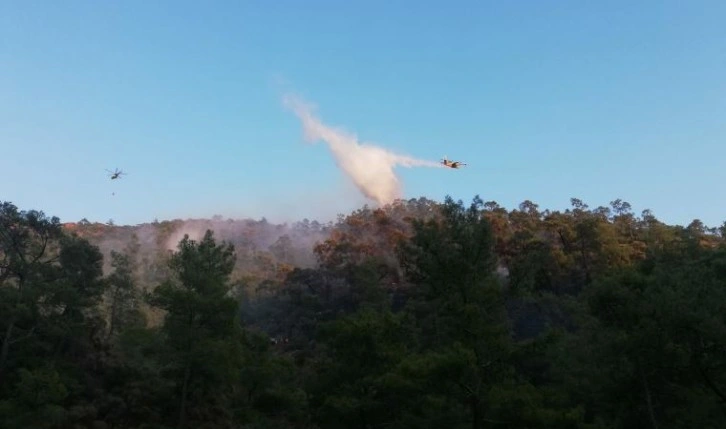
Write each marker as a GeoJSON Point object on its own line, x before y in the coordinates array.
{"type": "Point", "coordinates": [115, 174]}
{"type": "Point", "coordinates": [451, 164]}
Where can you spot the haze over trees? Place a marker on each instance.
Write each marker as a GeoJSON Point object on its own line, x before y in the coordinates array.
{"type": "Point", "coordinates": [415, 315]}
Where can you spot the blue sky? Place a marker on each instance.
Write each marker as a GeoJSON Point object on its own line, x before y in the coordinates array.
{"type": "Point", "coordinates": [544, 100]}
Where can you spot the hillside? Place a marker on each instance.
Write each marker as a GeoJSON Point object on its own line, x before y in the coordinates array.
{"type": "Point", "coordinates": [415, 314]}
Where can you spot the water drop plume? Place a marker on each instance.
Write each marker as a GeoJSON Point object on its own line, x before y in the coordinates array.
{"type": "Point", "coordinates": [369, 167]}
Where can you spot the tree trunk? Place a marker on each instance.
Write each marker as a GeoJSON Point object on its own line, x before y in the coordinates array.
{"type": "Point", "coordinates": [112, 319]}
{"type": "Point", "coordinates": [6, 347]}
{"type": "Point", "coordinates": [709, 382]}
{"type": "Point", "coordinates": [185, 390]}
{"type": "Point", "coordinates": [187, 372]}
{"type": "Point", "coordinates": [476, 419]}
{"type": "Point", "coordinates": [9, 331]}
{"type": "Point", "coordinates": [648, 399]}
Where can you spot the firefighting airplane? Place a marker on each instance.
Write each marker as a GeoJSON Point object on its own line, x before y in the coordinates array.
{"type": "Point", "coordinates": [451, 164]}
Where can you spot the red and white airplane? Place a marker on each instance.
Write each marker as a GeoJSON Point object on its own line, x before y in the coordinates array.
{"type": "Point", "coordinates": [451, 164]}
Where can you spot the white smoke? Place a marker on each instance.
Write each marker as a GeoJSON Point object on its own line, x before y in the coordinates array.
{"type": "Point", "coordinates": [369, 167]}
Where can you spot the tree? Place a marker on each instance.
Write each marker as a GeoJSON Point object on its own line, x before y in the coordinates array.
{"type": "Point", "coordinates": [354, 384]}
{"type": "Point", "coordinates": [466, 353]}
{"type": "Point", "coordinates": [651, 346]}
{"type": "Point", "coordinates": [51, 286]}
{"type": "Point", "coordinates": [460, 309]}
{"type": "Point", "coordinates": [200, 317]}
{"type": "Point", "coordinates": [282, 249]}
{"type": "Point", "coordinates": [123, 295]}
{"type": "Point", "coordinates": [27, 243]}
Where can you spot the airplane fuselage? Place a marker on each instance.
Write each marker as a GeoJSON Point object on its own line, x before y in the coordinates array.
{"type": "Point", "coordinates": [451, 164]}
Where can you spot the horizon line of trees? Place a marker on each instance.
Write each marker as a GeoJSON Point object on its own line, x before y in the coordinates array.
{"type": "Point", "coordinates": [415, 315]}
{"type": "Point", "coordinates": [615, 206]}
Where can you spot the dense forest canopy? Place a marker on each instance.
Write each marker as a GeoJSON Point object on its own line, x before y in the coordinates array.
{"type": "Point", "coordinates": [417, 314]}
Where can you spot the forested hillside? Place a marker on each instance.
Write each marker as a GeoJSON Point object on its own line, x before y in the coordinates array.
{"type": "Point", "coordinates": [415, 315]}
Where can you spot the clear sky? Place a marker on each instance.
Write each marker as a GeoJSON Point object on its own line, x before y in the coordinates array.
{"type": "Point", "coordinates": [544, 100]}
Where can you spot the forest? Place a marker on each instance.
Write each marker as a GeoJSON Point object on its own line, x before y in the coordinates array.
{"type": "Point", "coordinates": [417, 314]}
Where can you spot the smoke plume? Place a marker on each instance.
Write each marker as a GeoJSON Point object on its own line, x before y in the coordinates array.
{"type": "Point", "coordinates": [369, 167]}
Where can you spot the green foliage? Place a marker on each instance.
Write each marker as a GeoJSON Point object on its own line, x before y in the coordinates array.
{"type": "Point", "coordinates": [657, 335]}
{"type": "Point", "coordinates": [417, 315]}
{"type": "Point", "coordinates": [38, 400]}
{"type": "Point", "coordinates": [123, 295]}
{"type": "Point", "coordinates": [198, 330]}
